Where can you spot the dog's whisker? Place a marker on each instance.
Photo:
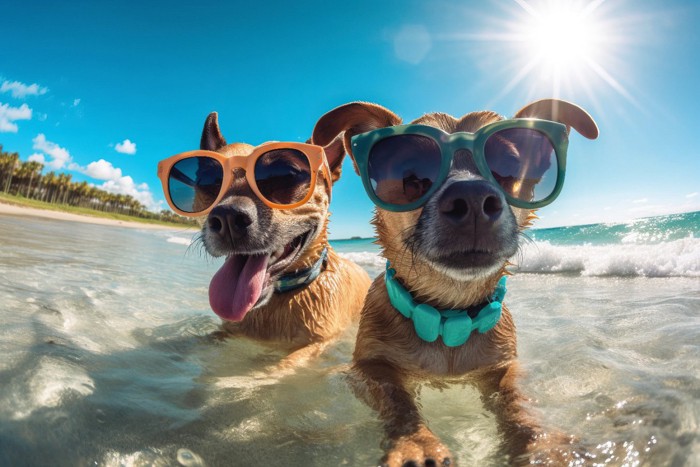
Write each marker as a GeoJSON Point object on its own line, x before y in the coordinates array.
{"type": "Point", "coordinates": [409, 241]}
{"type": "Point", "coordinates": [196, 243]}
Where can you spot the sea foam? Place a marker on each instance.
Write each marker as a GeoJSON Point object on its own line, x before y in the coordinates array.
{"type": "Point", "coordinates": [677, 258]}
{"type": "Point", "coordinates": [369, 261]}
{"type": "Point", "coordinates": [180, 240]}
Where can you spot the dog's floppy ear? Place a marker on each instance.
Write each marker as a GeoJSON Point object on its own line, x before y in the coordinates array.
{"type": "Point", "coordinates": [347, 121]}
{"type": "Point", "coordinates": [211, 135]}
{"type": "Point", "coordinates": [564, 112]}
{"type": "Point", "coordinates": [335, 153]}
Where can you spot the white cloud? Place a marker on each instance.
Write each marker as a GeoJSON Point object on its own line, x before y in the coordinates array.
{"type": "Point", "coordinates": [125, 185]}
{"type": "Point", "coordinates": [60, 157]}
{"type": "Point", "coordinates": [37, 157]}
{"type": "Point", "coordinates": [114, 179]}
{"type": "Point", "coordinates": [9, 115]}
{"type": "Point", "coordinates": [76, 102]}
{"type": "Point", "coordinates": [126, 147]}
{"type": "Point", "coordinates": [116, 182]}
{"type": "Point", "coordinates": [650, 209]}
{"type": "Point", "coordinates": [692, 195]}
{"type": "Point", "coordinates": [102, 170]}
{"type": "Point", "coordinates": [641, 201]}
{"type": "Point", "coordinates": [21, 90]}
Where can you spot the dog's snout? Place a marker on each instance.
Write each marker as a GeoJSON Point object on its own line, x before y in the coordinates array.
{"type": "Point", "coordinates": [231, 221]}
{"type": "Point", "coordinates": [469, 201]}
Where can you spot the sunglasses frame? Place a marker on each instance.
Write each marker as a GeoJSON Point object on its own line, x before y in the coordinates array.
{"type": "Point", "coordinates": [315, 155]}
{"type": "Point", "coordinates": [449, 143]}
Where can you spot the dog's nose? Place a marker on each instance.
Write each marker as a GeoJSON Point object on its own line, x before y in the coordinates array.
{"type": "Point", "coordinates": [469, 201]}
{"type": "Point", "coordinates": [231, 221]}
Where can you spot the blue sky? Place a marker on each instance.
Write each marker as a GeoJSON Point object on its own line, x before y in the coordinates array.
{"type": "Point", "coordinates": [104, 90]}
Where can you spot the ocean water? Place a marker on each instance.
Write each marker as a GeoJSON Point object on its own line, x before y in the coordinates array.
{"type": "Point", "coordinates": [107, 358]}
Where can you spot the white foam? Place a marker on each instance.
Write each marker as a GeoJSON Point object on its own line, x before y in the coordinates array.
{"type": "Point", "coordinates": [180, 240]}
{"type": "Point", "coordinates": [678, 258]}
{"type": "Point", "coordinates": [370, 261]}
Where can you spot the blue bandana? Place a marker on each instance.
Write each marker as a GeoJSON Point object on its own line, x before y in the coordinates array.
{"type": "Point", "coordinates": [455, 326]}
{"type": "Point", "coordinates": [301, 278]}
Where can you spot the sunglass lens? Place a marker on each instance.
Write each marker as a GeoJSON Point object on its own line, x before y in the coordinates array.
{"type": "Point", "coordinates": [523, 162]}
{"type": "Point", "coordinates": [195, 183]}
{"type": "Point", "coordinates": [283, 176]}
{"type": "Point", "coordinates": [402, 168]}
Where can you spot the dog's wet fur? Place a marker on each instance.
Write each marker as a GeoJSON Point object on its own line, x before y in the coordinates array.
{"type": "Point", "coordinates": [241, 224]}
{"type": "Point", "coordinates": [449, 254]}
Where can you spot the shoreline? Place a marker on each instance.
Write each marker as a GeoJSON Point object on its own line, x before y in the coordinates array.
{"type": "Point", "coordinates": [7, 209]}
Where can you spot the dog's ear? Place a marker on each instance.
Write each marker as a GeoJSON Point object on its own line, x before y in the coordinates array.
{"type": "Point", "coordinates": [211, 135]}
{"type": "Point", "coordinates": [564, 112]}
{"type": "Point", "coordinates": [335, 153]}
{"type": "Point", "coordinates": [349, 120]}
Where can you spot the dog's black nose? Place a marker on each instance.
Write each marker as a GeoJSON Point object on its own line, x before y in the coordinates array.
{"type": "Point", "coordinates": [471, 201]}
{"type": "Point", "coordinates": [232, 221]}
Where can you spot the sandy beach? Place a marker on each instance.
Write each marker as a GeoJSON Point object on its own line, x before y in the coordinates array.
{"type": "Point", "coordinates": [13, 210]}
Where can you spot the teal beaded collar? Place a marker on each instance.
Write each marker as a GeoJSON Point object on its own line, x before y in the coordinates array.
{"type": "Point", "coordinates": [455, 326]}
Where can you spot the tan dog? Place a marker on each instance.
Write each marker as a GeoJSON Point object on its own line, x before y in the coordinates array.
{"type": "Point", "coordinates": [449, 254]}
{"type": "Point", "coordinates": [281, 243]}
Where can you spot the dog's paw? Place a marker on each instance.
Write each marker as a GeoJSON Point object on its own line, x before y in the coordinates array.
{"type": "Point", "coordinates": [418, 449]}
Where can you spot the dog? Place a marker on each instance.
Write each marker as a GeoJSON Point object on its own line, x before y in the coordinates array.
{"type": "Point", "coordinates": [281, 282]}
{"type": "Point", "coordinates": [450, 253]}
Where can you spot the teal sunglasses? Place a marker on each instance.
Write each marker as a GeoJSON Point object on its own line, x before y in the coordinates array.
{"type": "Point", "coordinates": [402, 166]}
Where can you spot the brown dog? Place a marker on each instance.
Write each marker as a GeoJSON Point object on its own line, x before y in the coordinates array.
{"type": "Point", "coordinates": [450, 254]}
{"type": "Point", "coordinates": [286, 245]}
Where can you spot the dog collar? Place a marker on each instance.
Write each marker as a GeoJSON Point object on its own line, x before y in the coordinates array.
{"type": "Point", "coordinates": [455, 326]}
{"type": "Point", "coordinates": [301, 278]}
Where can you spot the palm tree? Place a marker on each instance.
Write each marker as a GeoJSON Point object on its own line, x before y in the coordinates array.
{"type": "Point", "coordinates": [64, 182]}
{"type": "Point", "coordinates": [33, 169]}
{"type": "Point", "coordinates": [49, 181]}
{"type": "Point", "coordinates": [8, 165]}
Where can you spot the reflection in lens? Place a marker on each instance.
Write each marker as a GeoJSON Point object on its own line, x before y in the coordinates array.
{"type": "Point", "coordinates": [523, 162]}
{"type": "Point", "coordinates": [195, 183]}
{"type": "Point", "coordinates": [283, 176]}
{"type": "Point", "coordinates": [402, 168]}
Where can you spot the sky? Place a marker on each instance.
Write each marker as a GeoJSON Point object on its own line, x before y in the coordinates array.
{"type": "Point", "coordinates": [103, 90]}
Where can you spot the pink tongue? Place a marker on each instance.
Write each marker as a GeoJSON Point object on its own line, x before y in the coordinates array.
{"type": "Point", "coordinates": [236, 287]}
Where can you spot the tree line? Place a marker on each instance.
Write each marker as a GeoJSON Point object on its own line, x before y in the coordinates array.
{"type": "Point", "coordinates": [25, 178]}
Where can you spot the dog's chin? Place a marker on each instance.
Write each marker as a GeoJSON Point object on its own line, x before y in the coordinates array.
{"type": "Point", "coordinates": [465, 266]}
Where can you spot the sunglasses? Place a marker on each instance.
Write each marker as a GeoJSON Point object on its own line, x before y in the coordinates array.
{"type": "Point", "coordinates": [282, 175]}
{"type": "Point", "coordinates": [402, 166]}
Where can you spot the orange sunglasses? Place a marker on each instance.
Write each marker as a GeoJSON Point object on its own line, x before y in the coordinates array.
{"type": "Point", "coordinates": [282, 175]}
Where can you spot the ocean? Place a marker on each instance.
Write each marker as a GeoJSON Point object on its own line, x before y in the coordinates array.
{"type": "Point", "coordinates": [107, 359]}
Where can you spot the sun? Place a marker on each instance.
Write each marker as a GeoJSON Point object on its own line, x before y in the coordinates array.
{"type": "Point", "coordinates": [561, 36]}
{"type": "Point", "coordinates": [556, 48]}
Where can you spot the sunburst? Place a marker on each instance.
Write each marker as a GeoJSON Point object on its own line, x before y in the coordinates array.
{"type": "Point", "coordinates": [557, 47]}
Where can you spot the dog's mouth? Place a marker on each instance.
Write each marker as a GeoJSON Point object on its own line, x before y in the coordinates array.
{"type": "Point", "coordinates": [472, 259]}
{"type": "Point", "coordinates": [244, 279]}
{"type": "Point", "coordinates": [465, 264]}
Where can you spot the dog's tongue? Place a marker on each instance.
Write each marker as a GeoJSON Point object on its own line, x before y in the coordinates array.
{"type": "Point", "coordinates": [236, 287]}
